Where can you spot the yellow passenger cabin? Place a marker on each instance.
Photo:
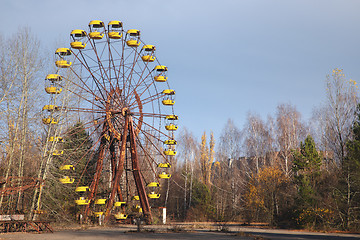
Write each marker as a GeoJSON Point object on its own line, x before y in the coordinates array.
{"type": "Point", "coordinates": [82, 201]}
{"type": "Point", "coordinates": [63, 52]}
{"type": "Point", "coordinates": [160, 78]}
{"type": "Point", "coordinates": [98, 214]}
{"type": "Point", "coordinates": [96, 29]}
{"type": "Point", "coordinates": [160, 68]}
{"type": "Point", "coordinates": [58, 152]}
{"type": "Point", "coordinates": [50, 108]}
{"type": "Point", "coordinates": [53, 78]}
{"type": "Point", "coordinates": [168, 92]}
{"type": "Point", "coordinates": [56, 139]}
{"type": "Point", "coordinates": [50, 120]}
{"type": "Point", "coordinates": [100, 201]}
{"type": "Point", "coordinates": [120, 216]}
{"type": "Point", "coordinates": [119, 204]}
{"type": "Point", "coordinates": [67, 167]}
{"type": "Point", "coordinates": [164, 165]}
{"type": "Point", "coordinates": [78, 45]}
{"type": "Point", "coordinates": [82, 189]}
{"type": "Point", "coordinates": [133, 38]}
{"type": "Point", "coordinates": [172, 117]}
{"type": "Point", "coordinates": [160, 72]}
{"type": "Point", "coordinates": [61, 55]}
{"type": "Point", "coordinates": [67, 180]}
{"type": "Point", "coordinates": [115, 29]}
{"type": "Point", "coordinates": [135, 198]}
{"type": "Point", "coordinates": [63, 64]}
{"type": "Point", "coordinates": [164, 175]}
{"type": "Point", "coordinates": [171, 127]}
{"type": "Point", "coordinates": [153, 195]}
{"type": "Point", "coordinates": [137, 208]}
{"type": "Point", "coordinates": [154, 184]}
{"type": "Point", "coordinates": [148, 53]}
{"type": "Point", "coordinates": [170, 152]}
{"type": "Point", "coordinates": [170, 142]}
{"type": "Point", "coordinates": [78, 39]}
{"type": "Point", "coordinates": [53, 90]}
{"type": "Point", "coordinates": [168, 102]}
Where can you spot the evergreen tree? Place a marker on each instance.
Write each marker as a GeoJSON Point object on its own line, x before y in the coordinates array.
{"type": "Point", "coordinates": [77, 151]}
{"type": "Point", "coordinates": [306, 169]}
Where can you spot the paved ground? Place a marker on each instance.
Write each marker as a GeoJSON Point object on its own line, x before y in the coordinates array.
{"type": "Point", "coordinates": [178, 231]}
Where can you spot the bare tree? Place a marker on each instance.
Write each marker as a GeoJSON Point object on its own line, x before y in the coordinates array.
{"type": "Point", "coordinates": [340, 112]}
{"type": "Point", "coordinates": [291, 131]}
{"type": "Point", "coordinates": [258, 141]}
{"type": "Point", "coordinates": [188, 151]}
{"type": "Point", "coordinates": [231, 170]}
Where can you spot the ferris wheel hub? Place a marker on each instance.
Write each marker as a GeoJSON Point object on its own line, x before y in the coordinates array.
{"type": "Point", "coordinates": [125, 111]}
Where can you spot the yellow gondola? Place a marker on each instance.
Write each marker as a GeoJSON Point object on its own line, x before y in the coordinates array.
{"type": "Point", "coordinates": [63, 52]}
{"type": "Point", "coordinates": [170, 142]}
{"type": "Point", "coordinates": [160, 78]}
{"type": "Point", "coordinates": [78, 45]}
{"type": "Point", "coordinates": [50, 107]}
{"type": "Point", "coordinates": [114, 28]}
{"type": "Point", "coordinates": [54, 77]}
{"type": "Point", "coordinates": [171, 127]}
{"type": "Point", "coordinates": [134, 38]}
{"type": "Point", "coordinates": [94, 33]}
{"type": "Point", "coordinates": [53, 90]}
{"type": "Point", "coordinates": [161, 68]}
{"type": "Point", "coordinates": [120, 216]}
{"type": "Point", "coordinates": [168, 102]}
{"type": "Point", "coordinates": [77, 35]}
{"type": "Point", "coordinates": [63, 63]}
{"type": "Point", "coordinates": [82, 189]}
{"type": "Point", "coordinates": [58, 152]}
{"type": "Point", "coordinates": [154, 184]}
{"type": "Point", "coordinates": [164, 175]}
{"type": "Point", "coordinates": [133, 43]}
{"type": "Point", "coordinates": [67, 180]}
{"type": "Point", "coordinates": [100, 201]}
{"type": "Point", "coordinates": [153, 195]}
{"type": "Point", "coordinates": [97, 214]}
{"type": "Point", "coordinates": [67, 167]}
{"type": "Point", "coordinates": [50, 121]}
{"type": "Point", "coordinates": [170, 152]}
{"type": "Point", "coordinates": [56, 139]}
{"type": "Point", "coordinates": [164, 165]}
{"type": "Point", "coordinates": [118, 204]}
{"type": "Point", "coordinates": [136, 198]}
{"type": "Point", "coordinates": [168, 92]}
{"type": "Point", "coordinates": [172, 117]}
{"type": "Point", "coordinates": [148, 58]}
{"type": "Point", "coordinates": [148, 55]}
{"type": "Point", "coordinates": [137, 208]}
{"type": "Point", "coordinates": [82, 201]}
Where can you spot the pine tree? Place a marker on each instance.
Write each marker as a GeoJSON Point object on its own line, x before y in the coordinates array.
{"type": "Point", "coordinates": [306, 167]}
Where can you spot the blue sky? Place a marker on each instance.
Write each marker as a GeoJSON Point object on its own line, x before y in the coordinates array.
{"type": "Point", "coordinates": [225, 58]}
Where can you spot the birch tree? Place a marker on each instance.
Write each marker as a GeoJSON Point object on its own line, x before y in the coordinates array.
{"type": "Point", "coordinates": [291, 131]}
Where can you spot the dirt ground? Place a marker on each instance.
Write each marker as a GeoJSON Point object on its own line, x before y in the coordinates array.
{"type": "Point", "coordinates": [201, 231]}
{"type": "Point", "coordinates": [126, 232]}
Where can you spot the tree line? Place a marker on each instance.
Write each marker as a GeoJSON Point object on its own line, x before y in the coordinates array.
{"type": "Point", "coordinates": [282, 170]}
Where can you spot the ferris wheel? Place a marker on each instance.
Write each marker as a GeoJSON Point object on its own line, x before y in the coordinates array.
{"type": "Point", "coordinates": [123, 99]}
